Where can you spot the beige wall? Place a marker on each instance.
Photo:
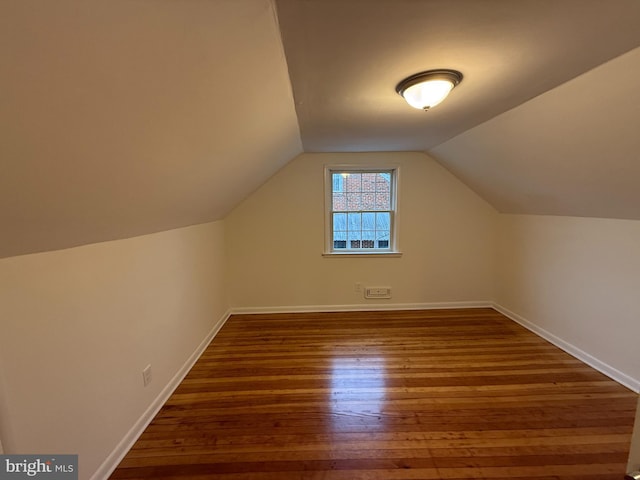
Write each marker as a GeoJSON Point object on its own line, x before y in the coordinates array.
{"type": "Point", "coordinates": [578, 279]}
{"type": "Point", "coordinates": [79, 326]}
{"type": "Point", "coordinates": [275, 240]}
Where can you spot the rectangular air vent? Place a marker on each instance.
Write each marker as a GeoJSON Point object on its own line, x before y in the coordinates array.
{"type": "Point", "coordinates": [377, 292]}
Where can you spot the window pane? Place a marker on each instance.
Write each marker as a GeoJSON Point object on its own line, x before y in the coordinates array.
{"type": "Point", "coordinates": [338, 182]}
{"type": "Point", "coordinates": [354, 201]}
{"type": "Point", "coordinates": [353, 235]}
{"type": "Point", "coordinates": [383, 235]}
{"type": "Point", "coordinates": [368, 221]}
{"type": "Point", "coordinates": [369, 182]}
{"type": "Point", "coordinates": [353, 182]}
{"type": "Point", "coordinates": [355, 221]}
{"type": "Point", "coordinates": [382, 201]}
{"type": "Point", "coordinates": [368, 201]}
{"type": "Point", "coordinates": [340, 240]}
{"type": "Point", "coordinates": [368, 235]}
{"type": "Point", "coordinates": [339, 221]}
{"type": "Point", "coordinates": [354, 238]}
{"type": "Point", "coordinates": [383, 221]}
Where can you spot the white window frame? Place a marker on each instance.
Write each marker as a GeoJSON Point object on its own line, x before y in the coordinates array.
{"type": "Point", "coordinates": [393, 250]}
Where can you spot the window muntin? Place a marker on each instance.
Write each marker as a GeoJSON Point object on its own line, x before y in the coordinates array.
{"type": "Point", "coordinates": [361, 210]}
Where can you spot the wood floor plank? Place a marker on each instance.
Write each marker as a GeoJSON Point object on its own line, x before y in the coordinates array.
{"type": "Point", "coordinates": [437, 394]}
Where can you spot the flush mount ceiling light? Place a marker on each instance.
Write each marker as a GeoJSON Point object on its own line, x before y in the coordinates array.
{"type": "Point", "coordinates": [425, 90]}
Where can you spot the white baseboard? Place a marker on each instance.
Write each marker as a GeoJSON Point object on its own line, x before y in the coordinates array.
{"type": "Point", "coordinates": [581, 355]}
{"type": "Point", "coordinates": [362, 307]}
{"type": "Point", "coordinates": [123, 447]}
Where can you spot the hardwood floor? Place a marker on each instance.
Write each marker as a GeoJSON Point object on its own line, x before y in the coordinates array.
{"type": "Point", "coordinates": [439, 394]}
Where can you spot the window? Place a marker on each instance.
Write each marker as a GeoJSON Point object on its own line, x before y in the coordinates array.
{"type": "Point", "coordinates": [361, 207]}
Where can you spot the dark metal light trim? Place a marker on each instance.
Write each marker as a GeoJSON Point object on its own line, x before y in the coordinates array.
{"type": "Point", "coordinates": [453, 76]}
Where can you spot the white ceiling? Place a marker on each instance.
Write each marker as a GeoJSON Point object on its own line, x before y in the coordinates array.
{"type": "Point", "coordinates": [345, 58]}
{"type": "Point", "coordinates": [126, 117]}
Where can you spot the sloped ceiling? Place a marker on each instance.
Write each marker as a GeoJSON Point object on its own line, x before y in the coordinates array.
{"type": "Point", "coordinates": [574, 150]}
{"type": "Point", "coordinates": [126, 117]}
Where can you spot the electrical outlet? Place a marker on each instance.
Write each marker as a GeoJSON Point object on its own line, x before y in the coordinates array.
{"type": "Point", "coordinates": [358, 287]}
{"type": "Point", "coordinates": [146, 375]}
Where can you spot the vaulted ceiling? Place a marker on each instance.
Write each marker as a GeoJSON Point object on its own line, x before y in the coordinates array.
{"type": "Point", "coordinates": [126, 117]}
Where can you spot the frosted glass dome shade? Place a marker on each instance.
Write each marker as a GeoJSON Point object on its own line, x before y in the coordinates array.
{"type": "Point", "coordinates": [427, 89]}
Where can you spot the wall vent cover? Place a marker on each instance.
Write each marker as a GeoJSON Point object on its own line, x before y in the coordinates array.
{"type": "Point", "coordinates": [377, 292]}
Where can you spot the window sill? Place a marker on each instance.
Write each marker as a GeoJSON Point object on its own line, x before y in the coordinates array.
{"type": "Point", "coordinates": [363, 254]}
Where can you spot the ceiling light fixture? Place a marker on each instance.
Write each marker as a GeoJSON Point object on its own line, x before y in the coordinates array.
{"type": "Point", "coordinates": [425, 90]}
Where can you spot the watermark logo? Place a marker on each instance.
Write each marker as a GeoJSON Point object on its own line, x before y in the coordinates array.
{"type": "Point", "coordinates": [44, 467]}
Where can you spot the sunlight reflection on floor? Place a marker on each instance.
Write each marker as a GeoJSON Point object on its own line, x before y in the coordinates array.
{"type": "Point", "coordinates": [357, 392]}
